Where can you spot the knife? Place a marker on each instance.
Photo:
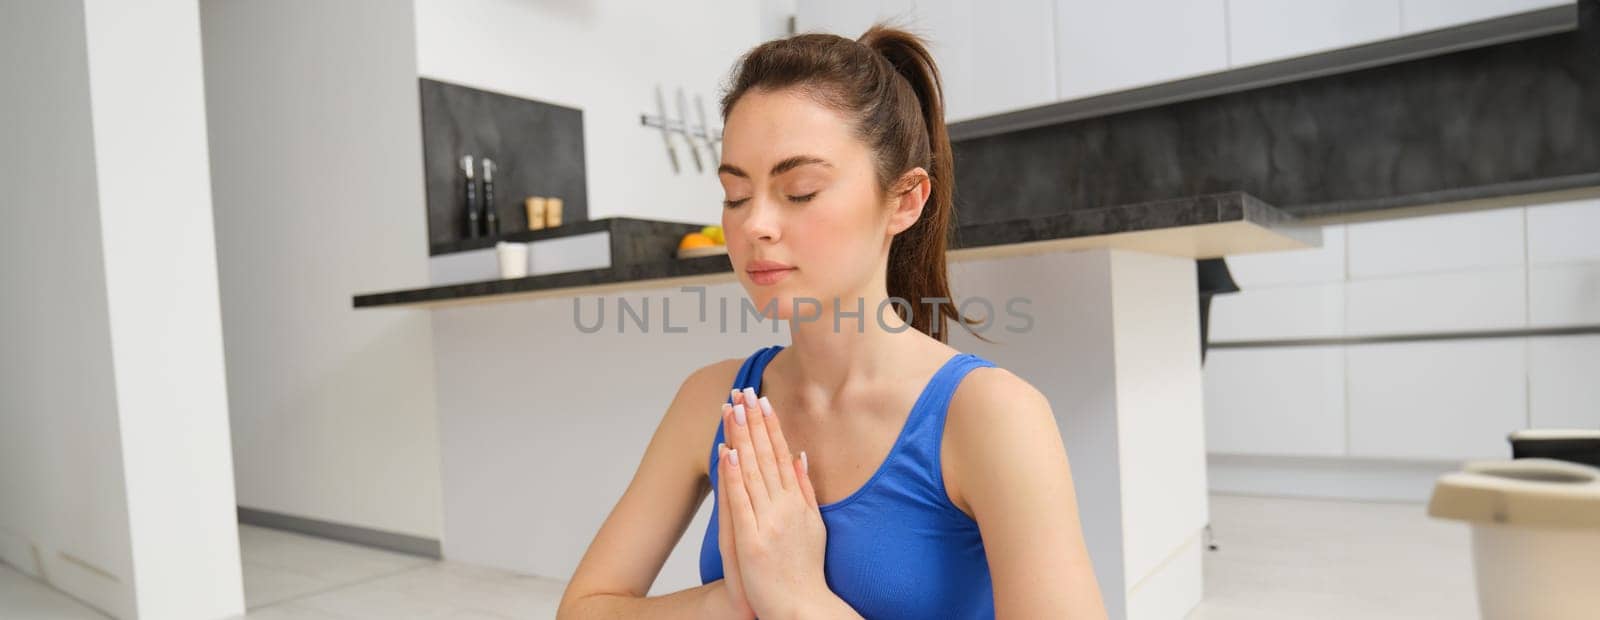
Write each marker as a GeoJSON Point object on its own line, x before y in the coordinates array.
{"type": "Point", "coordinates": [688, 138]}
{"type": "Point", "coordinates": [711, 143]}
{"type": "Point", "coordinates": [666, 134]}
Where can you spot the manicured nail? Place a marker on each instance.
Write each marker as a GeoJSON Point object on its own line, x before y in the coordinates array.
{"type": "Point", "coordinates": [766, 407]}
{"type": "Point", "coordinates": [733, 457]}
{"type": "Point", "coordinates": [750, 398]}
{"type": "Point", "coordinates": [738, 414]}
{"type": "Point", "coordinates": [733, 395]}
{"type": "Point", "coordinates": [720, 447]}
{"type": "Point", "coordinates": [726, 408]}
{"type": "Point", "coordinates": [805, 465]}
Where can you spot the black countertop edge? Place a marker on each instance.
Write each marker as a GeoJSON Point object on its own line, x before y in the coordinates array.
{"type": "Point", "coordinates": [672, 268]}
{"type": "Point", "coordinates": [566, 229]}
{"type": "Point", "coordinates": [1221, 208]}
{"type": "Point", "coordinates": [1200, 210]}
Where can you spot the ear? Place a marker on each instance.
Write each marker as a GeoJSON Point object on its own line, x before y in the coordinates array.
{"type": "Point", "coordinates": [908, 195]}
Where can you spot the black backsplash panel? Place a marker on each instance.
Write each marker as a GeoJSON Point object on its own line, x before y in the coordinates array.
{"type": "Point", "coordinates": [1499, 120]}
{"type": "Point", "coordinates": [537, 148]}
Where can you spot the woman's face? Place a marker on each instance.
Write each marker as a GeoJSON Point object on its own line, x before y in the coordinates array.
{"type": "Point", "coordinates": [802, 211]}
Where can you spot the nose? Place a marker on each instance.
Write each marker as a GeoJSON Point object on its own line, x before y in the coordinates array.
{"type": "Point", "coordinates": [761, 222]}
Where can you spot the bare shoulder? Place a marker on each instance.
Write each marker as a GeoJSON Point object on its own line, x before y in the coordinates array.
{"type": "Point", "coordinates": [695, 411]}
{"type": "Point", "coordinates": [991, 412]}
{"type": "Point", "coordinates": [712, 379]}
{"type": "Point", "coordinates": [988, 392]}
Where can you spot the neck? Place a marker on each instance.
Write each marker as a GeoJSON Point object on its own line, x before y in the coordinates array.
{"type": "Point", "coordinates": [867, 345]}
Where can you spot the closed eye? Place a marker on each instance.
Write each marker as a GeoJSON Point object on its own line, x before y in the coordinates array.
{"type": "Point", "coordinates": [805, 198]}
{"type": "Point", "coordinates": [734, 203]}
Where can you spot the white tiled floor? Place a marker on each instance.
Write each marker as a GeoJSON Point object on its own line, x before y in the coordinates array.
{"type": "Point", "coordinates": [1276, 558]}
{"type": "Point", "coordinates": [290, 576]}
{"type": "Point", "coordinates": [22, 597]}
{"type": "Point", "coordinates": [1312, 559]}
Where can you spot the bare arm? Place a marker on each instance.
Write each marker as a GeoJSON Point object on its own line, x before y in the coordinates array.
{"type": "Point", "coordinates": [1013, 472]}
{"type": "Point", "coordinates": [627, 553]}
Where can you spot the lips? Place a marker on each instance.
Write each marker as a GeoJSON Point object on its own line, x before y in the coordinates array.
{"type": "Point", "coordinates": [766, 265]}
{"type": "Point", "coordinates": [767, 272]}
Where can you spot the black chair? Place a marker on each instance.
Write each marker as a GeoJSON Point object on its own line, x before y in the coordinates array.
{"type": "Point", "coordinates": [1574, 445]}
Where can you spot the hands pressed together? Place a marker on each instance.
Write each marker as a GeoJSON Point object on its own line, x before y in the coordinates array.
{"type": "Point", "coordinates": [771, 533]}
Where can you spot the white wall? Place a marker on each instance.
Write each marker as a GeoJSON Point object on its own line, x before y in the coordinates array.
{"type": "Point", "coordinates": [115, 482]}
{"type": "Point", "coordinates": [317, 178]}
{"type": "Point", "coordinates": [604, 57]}
{"type": "Point", "coordinates": [1361, 407]}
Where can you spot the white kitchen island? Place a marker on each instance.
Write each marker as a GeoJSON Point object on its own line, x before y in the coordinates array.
{"type": "Point", "coordinates": [543, 423]}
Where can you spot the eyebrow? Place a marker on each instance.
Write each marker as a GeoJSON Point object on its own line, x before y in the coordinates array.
{"type": "Point", "coordinates": [781, 167]}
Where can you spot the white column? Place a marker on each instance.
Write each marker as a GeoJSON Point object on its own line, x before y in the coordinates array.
{"type": "Point", "coordinates": [116, 478]}
{"type": "Point", "coordinates": [1114, 345]}
{"type": "Point", "coordinates": [147, 103]}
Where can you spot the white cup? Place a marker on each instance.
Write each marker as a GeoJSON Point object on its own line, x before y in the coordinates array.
{"type": "Point", "coordinates": [513, 259]}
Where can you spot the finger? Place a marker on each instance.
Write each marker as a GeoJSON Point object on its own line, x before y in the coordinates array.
{"type": "Point", "coordinates": [802, 469]}
{"type": "Point", "coordinates": [741, 514]}
{"type": "Point", "coordinates": [780, 444]}
{"type": "Point", "coordinates": [724, 529]}
{"type": "Point", "coordinates": [738, 435]}
{"type": "Point", "coordinates": [765, 458]}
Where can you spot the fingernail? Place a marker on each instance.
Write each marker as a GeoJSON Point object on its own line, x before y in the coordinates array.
{"type": "Point", "coordinates": [734, 394]}
{"type": "Point", "coordinates": [805, 465]}
{"type": "Point", "coordinates": [721, 446]}
{"type": "Point", "coordinates": [726, 408]}
{"type": "Point", "coordinates": [733, 457]}
{"type": "Point", "coordinates": [738, 414]}
{"type": "Point", "coordinates": [766, 407]}
{"type": "Point", "coordinates": [750, 397]}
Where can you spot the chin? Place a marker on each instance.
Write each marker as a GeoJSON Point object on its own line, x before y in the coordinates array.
{"type": "Point", "coordinates": [782, 302]}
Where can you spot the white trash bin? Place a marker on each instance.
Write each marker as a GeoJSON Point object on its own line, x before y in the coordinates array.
{"type": "Point", "coordinates": [1535, 535]}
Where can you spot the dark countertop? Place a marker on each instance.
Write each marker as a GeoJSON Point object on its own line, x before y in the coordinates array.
{"type": "Point", "coordinates": [1209, 225]}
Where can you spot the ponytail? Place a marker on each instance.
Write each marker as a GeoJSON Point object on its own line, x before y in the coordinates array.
{"type": "Point", "coordinates": [917, 269]}
{"type": "Point", "coordinates": [888, 82]}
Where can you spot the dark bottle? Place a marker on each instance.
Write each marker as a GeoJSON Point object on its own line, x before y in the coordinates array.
{"type": "Point", "coordinates": [471, 195]}
{"type": "Point", "coordinates": [491, 220]}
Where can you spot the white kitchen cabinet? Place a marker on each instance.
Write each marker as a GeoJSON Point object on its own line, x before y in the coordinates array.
{"type": "Point", "coordinates": [848, 18]}
{"type": "Point", "coordinates": [1564, 295]}
{"type": "Point", "coordinates": [1436, 243]}
{"type": "Point", "coordinates": [1279, 313]}
{"type": "Point", "coordinates": [1275, 401]}
{"type": "Point", "coordinates": [1267, 30]}
{"type": "Point", "coordinates": [1478, 299]}
{"type": "Point", "coordinates": [1562, 390]}
{"type": "Point", "coordinates": [1103, 47]}
{"type": "Point", "coordinates": [1421, 15]}
{"type": "Point", "coordinates": [992, 57]}
{"type": "Point", "coordinates": [1445, 400]}
{"type": "Point", "coordinates": [1564, 232]}
{"type": "Point", "coordinates": [1009, 55]}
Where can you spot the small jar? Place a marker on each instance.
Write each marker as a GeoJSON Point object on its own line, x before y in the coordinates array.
{"type": "Point", "coordinates": [536, 207]}
{"type": "Point", "coordinates": [552, 213]}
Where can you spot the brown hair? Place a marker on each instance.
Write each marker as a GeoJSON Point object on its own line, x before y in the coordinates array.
{"type": "Point", "coordinates": [887, 83]}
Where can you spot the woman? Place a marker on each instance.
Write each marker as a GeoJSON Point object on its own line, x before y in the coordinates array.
{"type": "Point", "coordinates": [867, 469]}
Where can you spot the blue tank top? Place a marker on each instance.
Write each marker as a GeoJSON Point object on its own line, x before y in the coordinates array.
{"type": "Point", "coordinates": [897, 547]}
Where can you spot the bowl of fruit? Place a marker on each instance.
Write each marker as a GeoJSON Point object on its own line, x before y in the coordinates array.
{"type": "Point", "coordinates": [707, 242]}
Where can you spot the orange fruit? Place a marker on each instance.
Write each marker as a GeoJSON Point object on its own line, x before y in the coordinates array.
{"type": "Point", "coordinates": [696, 240]}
